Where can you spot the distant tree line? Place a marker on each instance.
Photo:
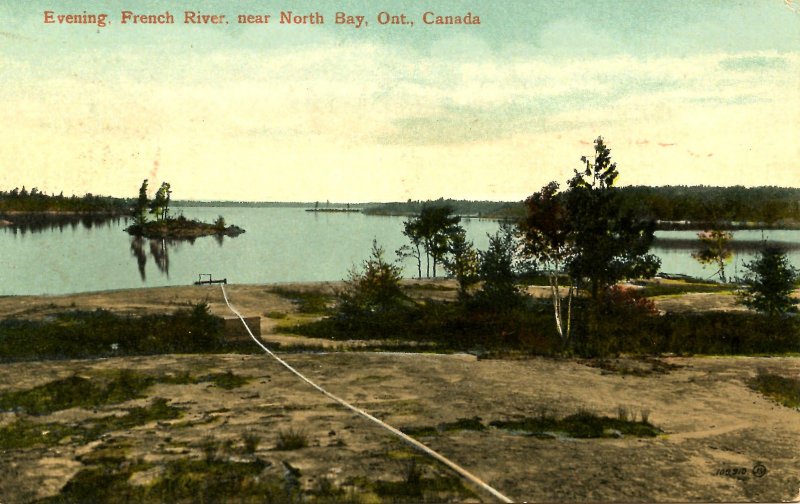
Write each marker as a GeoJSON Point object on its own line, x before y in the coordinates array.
{"type": "Point", "coordinates": [23, 200]}
{"type": "Point", "coordinates": [465, 208]}
{"type": "Point", "coordinates": [670, 205]}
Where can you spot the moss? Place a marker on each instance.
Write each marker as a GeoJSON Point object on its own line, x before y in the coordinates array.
{"type": "Point", "coordinates": [25, 434]}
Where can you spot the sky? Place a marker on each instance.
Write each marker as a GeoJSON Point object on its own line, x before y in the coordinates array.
{"type": "Point", "coordinates": [683, 92]}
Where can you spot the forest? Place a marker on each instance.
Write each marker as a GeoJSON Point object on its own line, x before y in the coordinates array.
{"type": "Point", "coordinates": [22, 200]}
{"type": "Point", "coordinates": [688, 207]}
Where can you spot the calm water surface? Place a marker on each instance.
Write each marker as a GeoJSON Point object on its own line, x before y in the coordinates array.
{"type": "Point", "coordinates": [280, 245]}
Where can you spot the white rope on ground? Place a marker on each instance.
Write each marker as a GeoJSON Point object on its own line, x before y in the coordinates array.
{"type": "Point", "coordinates": [413, 442]}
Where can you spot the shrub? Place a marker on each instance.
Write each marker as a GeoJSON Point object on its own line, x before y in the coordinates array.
{"type": "Point", "coordinates": [376, 288]}
{"type": "Point", "coordinates": [770, 280]}
{"type": "Point", "coordinates": [291, 439]}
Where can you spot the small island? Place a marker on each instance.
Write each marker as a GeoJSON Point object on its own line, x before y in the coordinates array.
{"type": "Point", "coordinates": [165, 226]}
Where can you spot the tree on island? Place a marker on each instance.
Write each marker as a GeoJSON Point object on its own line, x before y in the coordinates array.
{"type": "Point", "coordinates": [165, 226]}
{"type": "Point", "coordinates": [140, 208]}
{"type": "Point", "coordinates": [160, 204]}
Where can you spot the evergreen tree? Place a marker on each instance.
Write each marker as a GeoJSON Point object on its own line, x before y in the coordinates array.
{"type": "Point", "coordinates": [770, 281]}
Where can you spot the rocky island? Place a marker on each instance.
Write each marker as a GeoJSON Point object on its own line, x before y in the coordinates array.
{"type": "Point", "coordinates": [165, 226]}
{"type": "Point", "coordinates": [183, 228]}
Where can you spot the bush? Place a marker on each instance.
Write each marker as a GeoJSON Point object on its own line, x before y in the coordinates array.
{"type": "Point", "coordinates": [101, 333]}
{"type": "Point", "coordinates": [291, 439]}
{"type": "Point", "coordinates": [770, 280]}
{"type": "Point", "coordinates": [376, 288]}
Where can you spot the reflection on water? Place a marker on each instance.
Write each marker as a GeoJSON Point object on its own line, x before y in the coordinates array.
{"type": "Point", "coordinates": [159, 250]}
{"type": "Point", "coordinates": [22, 223]}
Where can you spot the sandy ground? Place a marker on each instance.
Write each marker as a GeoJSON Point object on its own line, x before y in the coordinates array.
{"type": "Point", "coordinates": [712, 420]}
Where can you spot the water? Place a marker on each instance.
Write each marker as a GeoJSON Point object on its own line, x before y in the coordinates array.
{"type": "Point", "coordinates": [280, 245]}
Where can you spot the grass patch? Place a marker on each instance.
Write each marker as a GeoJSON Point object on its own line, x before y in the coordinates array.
{"type": "Point", "coordinates": [100, 333]}
{"type": "Point", "coordinates": [291, 439]}
{"type": "Point", "coordinates": [23, 433]}
{"type": "Point", "coordinates": [428, 287]}
{"type": "Point", "coordinates": [306, 302]}
{"type": "Point", "coordinates": [181, 480]}
{"type": "Point", "coordinates": [227, 380]}
{"type": "Point", "coordinates": [583, 424]}
{"type": "Point", "coordinates": [275, 315]}
{"type": "Point", "coordinates": [640, 367]}
{"type": "Point", "coordinates": [417, 484]}
{"type": "Point", "coordinates": [77, 391]}
{"type": "Point", "coordinates": [785, 391]}
{"type": "Point", "coordinates": [677, 288]}
{"type": "Point", "coordinates": [473, 424]}
{"type": "Point", "coordinates": [108, 388]}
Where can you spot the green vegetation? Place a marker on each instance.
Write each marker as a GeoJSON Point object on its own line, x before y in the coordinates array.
{"type": "Point", "coordinates": [770, 281]}
{"type": "Point", "coordinates": [181, 228]}
{"type": "Point", "coordinates": [715, 249]}
{"type": "Point", "coordinates": [473, 424]}
{"type": "Point", "coordinates": [627, 324]}
{"type": "Point", "coordinates": [22, 200]}
{"type": "Point", "coordinates": [107, 388]}
{"type": "Point", "coordinates": [227, 380]}
{"type": "Point", "coordinates": [652, 290]}
{"type": "Point", "coordinates": [785, 391]}
{"type": "Point", "coordinates": [583, 424]}
{"type": "Point", "coordinates": [674, 207]}
{"type": "Point", "coordinates": [586, 237]}
{"type": "Point", "coordinates": [102, 334]}
{"type": "Point", "coordinates": [111, 477]}
{"type": "Point", "coordinates": [308, 302]}
{"type": "Point", "coordinates": [466, 208]}
{"type": "Point", "coordinates": [291, 439]}
{"type": "Point", "coordinates": [77, 392]}
{"type": "Point", "coordinates": [182, 480]}
{"type": "Point", "coordinates": [431, 232]}
{"type": "Point", "coordinates": [23, 433]}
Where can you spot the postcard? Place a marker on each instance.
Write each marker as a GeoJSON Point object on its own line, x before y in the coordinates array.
{"type": "Point", "coordinates": [389, 250]}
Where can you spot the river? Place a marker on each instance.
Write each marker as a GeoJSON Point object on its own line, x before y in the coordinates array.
{"type": "Point", "coordinates": [280, 245]}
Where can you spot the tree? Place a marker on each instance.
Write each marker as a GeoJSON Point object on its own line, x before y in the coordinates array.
{"type": "Point", "coordinates": [715, 249]}
{"type": "Point", "coordinates": [497, 270]}
{"type": "Point", "coordinates": [432, 230]}
{"type": "Point", "coordinates": [412, 230]}
{"type": "Point", "coordinates": [462, 262]}
{"type": "Point", "coordinates": [609, 243]}
{"type": "Point", "coordinates": [546, 232]}
{"type": "Point", "coordinates": [140, 208]}
{"type": "Point", "coordinates": [160, 204]}
{"type": "Point", "coordinates": [374, 288]}
{"type": "Point", "coordinates": [770, 281]}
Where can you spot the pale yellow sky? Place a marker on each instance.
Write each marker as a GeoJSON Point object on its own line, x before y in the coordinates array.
{"type": "Point", "coordinates": [462, 114]}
